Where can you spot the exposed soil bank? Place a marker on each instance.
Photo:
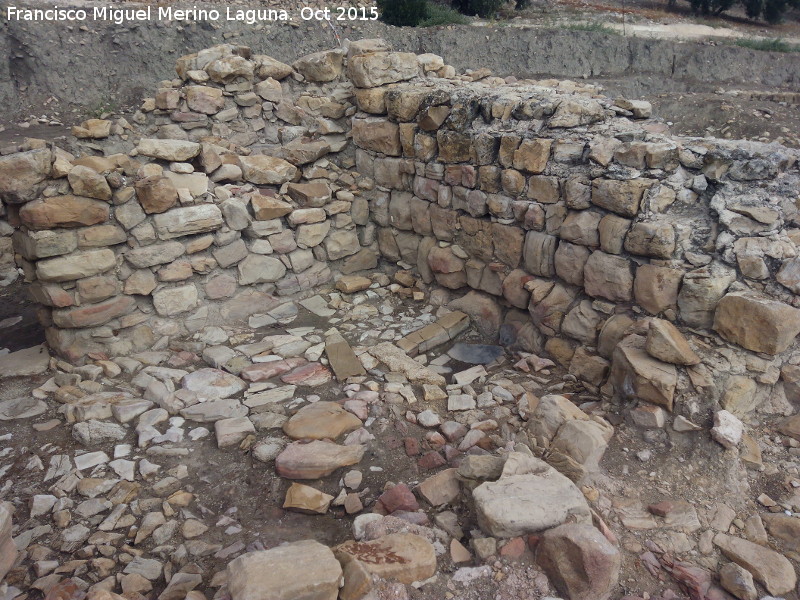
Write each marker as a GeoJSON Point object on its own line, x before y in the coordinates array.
{"type": "Point", "coordinates": [53, 65]}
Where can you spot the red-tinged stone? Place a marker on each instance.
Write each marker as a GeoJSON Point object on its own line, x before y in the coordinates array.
{"type": "Point", "coordinates": [316, 459]}
{"type": "Point", "coordinates": [63, 211]}
{"type": "Point", "coordinates": [66, 589]}
{"type": "Point", "coordinates": [412, 447]}
{"type": "Point", "coordinates": [435, 439]}
{"type": "Point", "coordinates": [310, 375]}
{"type": "Point", "coordinates": [514, 548]}
{"type": "Point", "coordinates": [264, 371]}
{"type": "Point", "coordinates": [92, 315]}
{"type": "Point", "coordinates": [452, 454]}
{"type": "Point", "coordinates": [400, 497]}
{"type": "Point", "coordinates": [661, 509]}
{"type": "Point", "coordinates": [431, 460]}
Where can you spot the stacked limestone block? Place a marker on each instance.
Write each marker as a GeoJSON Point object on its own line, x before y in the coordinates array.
{"type": "Point", "coordinates": [576, 226]}
{"type": "Point", "coordinates": [229, 189]}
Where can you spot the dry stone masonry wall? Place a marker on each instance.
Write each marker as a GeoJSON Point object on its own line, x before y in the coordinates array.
{"type": "Point", "coordinates": [569, 215]}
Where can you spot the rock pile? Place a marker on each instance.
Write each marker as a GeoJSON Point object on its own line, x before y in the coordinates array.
{"type": "Point", "coordinates": [642, 284]}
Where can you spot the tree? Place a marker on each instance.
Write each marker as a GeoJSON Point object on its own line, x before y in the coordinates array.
{"type": "Point", "coordinates": [403, 13]}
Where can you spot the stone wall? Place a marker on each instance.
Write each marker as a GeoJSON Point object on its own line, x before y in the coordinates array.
{"type": "Point", "coordinates": [228, 191]}
{"type": "Point", "coordinates": [587, 233]}
{"type": "Point", "coordinates": [570, 216]}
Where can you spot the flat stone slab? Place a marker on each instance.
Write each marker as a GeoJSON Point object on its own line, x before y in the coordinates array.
{"type": "Point", "coordinates": [475, 354]}
{"type": "Point", "coordinates": [315, 460]}
{"type": "Point", "coordinates": [21, 408]}
{"type": "Point", "coordinates": [24, 363]}
{"type": "Point", "coordinates": [321, 420]}
{"type": "Point", "coordinates": [213, 384]}
{"type": "Point", "coordinates": [343, 360]}
{"type": "Point", "coordinates": [304, 569]}
{"type": "Point", "coordinates": [318, 306]}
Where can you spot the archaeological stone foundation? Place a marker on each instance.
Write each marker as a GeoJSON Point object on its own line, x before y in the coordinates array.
{"type": "Point", "coordinates": [561, 219]}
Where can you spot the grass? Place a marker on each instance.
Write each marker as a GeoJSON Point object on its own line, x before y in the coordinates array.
{"type": "Point", "coordinates": [776, 45]}
{"type": "Point", "coordinates": [443, 15]}
{"type": "Point", "coordinates": [595, 26]}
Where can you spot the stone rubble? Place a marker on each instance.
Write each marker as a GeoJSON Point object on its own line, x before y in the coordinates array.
{"type": "Point", "coordinates": [211, 292]}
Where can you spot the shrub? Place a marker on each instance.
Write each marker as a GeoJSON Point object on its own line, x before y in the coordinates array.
{"type": "Point", "coordinates": [776, 45]}
{"type": "Point", "coordinates": [403, 13]}
{"type": "Point", "coordinates": [442, 15]}
{"type": "Point", "coordinates": [481, 8]}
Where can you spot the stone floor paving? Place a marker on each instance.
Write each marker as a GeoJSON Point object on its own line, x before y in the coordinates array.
{"type": "Point", "coordinates": [389, 431]}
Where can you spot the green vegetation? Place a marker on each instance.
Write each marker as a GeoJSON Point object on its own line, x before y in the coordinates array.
{"type": "Point", "coordinates": [480, 8]}
{"type": "Point", "coordinates": [418, 13]}
{"type": "Point", "coordinates": [595, 26]}
{"type": "Point", "coordinates": [442, 15]}
{"type": "Point", "coordinates": [776, 45]}
{"type": "Point", "coordinates": [430, 13]}
{"type": "Point", "coordinates": [772, 11]}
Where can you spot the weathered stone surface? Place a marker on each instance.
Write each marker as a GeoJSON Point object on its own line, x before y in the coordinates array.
{"type": "Point", "coordinates": [266, 170]}
{"type": "Point", "coordinates": [701, 290]}
{"type": "Point", "coordinates": [539, 253]}
{"type": "Point", "coordinates": [580, 562]}
{"type": "Point", "coordinates": [635, 374]}
{"type": "Point", "coordinates": [621, 197]}
{"type": "Point", "coordinates": [342, 359]}
{"type": "Point", "coordinates": [377, 135]}
{"type": "Point", "coordinates": [341, 243]}
{"type": "Point", "coordinates": [655, 239]}
{"type": "Point", "coordinates": [756, 322]}
{"type": "Point", "coordinates": [316, 459]}
{"type": "Point", "coordinates": [403, 557]}
{"type": "Point", "coordinates": [34, 245]}
{"type": "Point", "coordinates": [92, 129]}
{"type": "Point", "coordinates": [76, 265]}
{"type": "Point", "coordinates": [92, 315]}
{"type": "Point", "coordinates": [380, 68]}
{"type": "Point", "coordinates": [260, 269]}
{"type": "Point", "coordinates": [320, 421]}
{"type": "Point", "coordinates": [304, 569]}
{"type": "Point", "coordinates": [157, 254]}
{"type": "Point", "coordinates": [204, 99]}
{"type": "Point", "coordinates": [230, 68]}
{"type": "Point", "coordinates": [397, 360]}
{"type": "Point", "coordinates": [188, 221]}
{"type": "Point", "coordinates": [320, 66]}
{"type": "Point", "coordinates": [768, 567]}
{"type": "Point", "coordinates": [172, 301]}
{"type": "Point", "coordinates": [581, 227]}
{"type": "Point", "coordinates": [785, 528]}
{"type": "Point", "coordinates": [266, 66]}
{"type": "Point", "coordinates": [101, 236]}
{"type": "Point", "coordinates": [63, 211]}
{"type": "Point", "coordinates": [315, 194]}
{"type": "Point", "coordinates": [738, 581]}
{"type": "Point", "coordinates": [156, 194]}
{"type": "Point", "coordinates": [30, 361]}
{"type": "Point", "coordinates": [656, 288]}
{"type": "Point", "coordinates": [230, 432]}
{"type": "Point", "coordinates": [88, 183]}
{"type": "Point", "coordinates": [22, 175]}
{"type": "Point", "coordinates": [608, 276]}
{"type": "Point", "coordinates": [536, 499]}
{"type": "Point", "coordinates": [666, 343]}
{"type": "Point", "coordinates": [532, 155]}
{"type": "Point", "coordinates": [306, 499]}
{"type": "Point", "coordinates": [267, 208]}
{"type": "Point", "coordinates": [171, 150]}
